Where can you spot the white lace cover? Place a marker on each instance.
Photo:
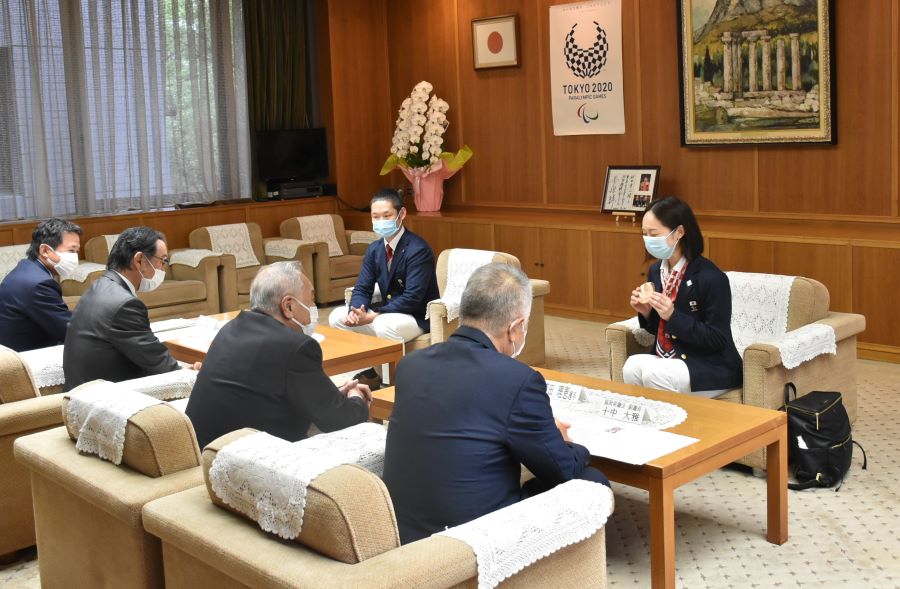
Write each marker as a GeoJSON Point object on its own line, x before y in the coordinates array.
{"type": "Point", "coordinates": [110, 241]}
{"type": "Point", "coordinates": [233, 239]}
{"type": "Point", "coordinates": [46, 366]}
{"type": "Point", "coordinates": [266, 478]}
{"type": "Point", "coordinates": [366, 237]}
{"type": "Point", "coordinates": [10, 256]}
{"type": "Point", "coordinates": [641, 335]}
{"type": "Point", "coordinates": [99, 413]}
{"type": "Point", "coordinates": [759, 307]}
{"type": "Point", "coordinates": [460, 266]}
{"type": "Point", "coordinates": [285, 248]}
{"type": "Point", "coordinates": [84, 269]}
{"type": "Point", "coordinates": [191, 257]}
{"type": "Point", "coordinates": [805, 343]}
{"type": "Point", "coordinates": [510, 539]}
{"type": "Point", "coordinates": [176, 384]}
{"type": "Point", "coordinates": [320, 228]}
{"type": "Point", "coordinates": [657, 414]}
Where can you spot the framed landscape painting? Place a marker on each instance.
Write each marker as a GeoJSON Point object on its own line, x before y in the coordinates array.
{"type": "Point", "coordinates": [756, 72]}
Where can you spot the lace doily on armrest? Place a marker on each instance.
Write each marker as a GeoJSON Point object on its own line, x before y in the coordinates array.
{"type": "Point", "coordinates": [641, 336]}
{"type": "Point", "coordinates": [85, 269]}
{"type": "Point", "coordinates": [805, 343]}
{"type": "Point", "coordinates": [285, 248]}
{"type": "Point", "coordinates": [191, 257]}
{"type": "Point", "coordinates": [99, 413]}
{"type": "Point", "coordinates": [46, 366]}
{"type": "Point", "coordinates": [266, 478]}
{"type": "Point", "coordinates": [510, 539]}
{"type": "Point", "coordinates": [169, 385]}
{"type": "Point", "coordinates": [363, 237]}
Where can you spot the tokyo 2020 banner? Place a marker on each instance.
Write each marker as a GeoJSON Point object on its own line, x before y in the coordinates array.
{"type": "Point", "coordinates": [586, 86]}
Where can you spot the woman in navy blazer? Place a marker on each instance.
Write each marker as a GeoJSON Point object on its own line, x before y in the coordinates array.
{"type": "Point", "coordinates": [689, 311]}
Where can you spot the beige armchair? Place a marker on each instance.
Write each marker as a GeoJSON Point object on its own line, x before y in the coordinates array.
{"type": "Point", "coordinates": [87, 511]}
{"type": "Point", "coordinates": [191, 287]}
{"type": "Point", "coordinates": [338, 253]}
{"type": "Point", "coordinates": [349, 538]}
{"type": "Point", "coordinates": [72, 288]}
{"type": "Point", "coordinates": [248, 249]}
{"type": "Point", "coordinates": [23, 411]}
{"type": "Point", "coordinates": [764, 373]}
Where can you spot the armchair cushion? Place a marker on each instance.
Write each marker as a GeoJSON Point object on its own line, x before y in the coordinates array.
{"type": "Point", "coordinates": [348, 514]}
{"type": "Point", "coordinates": [16, 382]}
{"type": "Point", "coordinates": [345, 266]}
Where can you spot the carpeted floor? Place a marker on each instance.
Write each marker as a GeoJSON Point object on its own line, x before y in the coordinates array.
{"type": "Point", "coordinates": [846, 540]}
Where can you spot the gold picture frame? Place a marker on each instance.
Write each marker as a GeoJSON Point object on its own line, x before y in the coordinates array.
{"type": "Point", "coordinates": [495, 41]}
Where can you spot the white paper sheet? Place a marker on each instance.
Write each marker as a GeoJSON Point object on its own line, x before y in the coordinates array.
{"type": "Point", "coordinates": [624, 443]}
{"type": "Point", "coordinates": [169, 324]}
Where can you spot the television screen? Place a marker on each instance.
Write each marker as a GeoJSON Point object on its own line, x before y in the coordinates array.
{"type": "Point", "coordinates": [295, 154]}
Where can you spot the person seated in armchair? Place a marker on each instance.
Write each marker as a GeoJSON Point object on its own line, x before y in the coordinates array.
{"type": "Point", "coordinates": [402, 266]}
{"type": "Point", "coordinates": [32, 311]}
{"type": "Point", "coordinates": [264, 368]}
{"type": "Point", "coordinates": [688, 310]}
{"type": "Point", "coordinates": [456, 442]}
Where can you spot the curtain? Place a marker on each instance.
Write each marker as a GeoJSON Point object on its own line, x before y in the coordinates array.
{"type": "Point", "coordinates": [121, 105]}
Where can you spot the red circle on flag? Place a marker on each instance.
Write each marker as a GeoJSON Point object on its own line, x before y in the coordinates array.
{"type": "Point", "coordinates": [495, 42]}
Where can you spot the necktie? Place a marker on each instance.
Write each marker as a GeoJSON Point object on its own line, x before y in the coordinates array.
{"type": "Point", "coordinates": [389, 252]}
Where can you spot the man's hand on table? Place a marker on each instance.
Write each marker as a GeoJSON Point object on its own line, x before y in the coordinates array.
{"type": "Point", "coordinates": [352, 388]}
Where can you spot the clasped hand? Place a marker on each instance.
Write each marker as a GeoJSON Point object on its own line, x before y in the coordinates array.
{"type": "Point", "coordinates": [658, 302]}
{"type": "Point", "coordinates": [359, 316]}
{"type": "Point", "coordinates": [352, 388]}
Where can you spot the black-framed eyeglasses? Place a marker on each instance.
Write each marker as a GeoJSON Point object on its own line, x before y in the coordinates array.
{"type": "Point", "coordinates": [165, 261]}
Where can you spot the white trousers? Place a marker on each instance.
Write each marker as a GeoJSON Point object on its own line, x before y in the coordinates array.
{"type": "Point", "coordinates": [651, 371]}
{"type": "Point", "coordinates": [392, 326]}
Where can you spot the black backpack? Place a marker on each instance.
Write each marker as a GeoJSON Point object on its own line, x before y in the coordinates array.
{"type": "Point", "coordinates": [820, 445]}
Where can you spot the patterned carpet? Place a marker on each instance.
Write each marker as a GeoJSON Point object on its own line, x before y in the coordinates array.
{"type": "Point", "coordinates": [846, 540]}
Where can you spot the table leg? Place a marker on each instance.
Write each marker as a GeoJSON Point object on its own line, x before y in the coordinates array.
{"type": "Point", "coordinates": [776, 489]}
{"type": "Point", "coordinates": [662, 534]}
{"type": "Point", "coordinates": [391, 369]}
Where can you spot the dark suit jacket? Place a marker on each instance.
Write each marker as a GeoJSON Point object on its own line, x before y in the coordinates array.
{"type": "Point", "coordinates": [700, 326]}
{"type": "Point", "coordinates": [110, 338]}
{"type": "Point", "coordinates": [464, 418]}
{"type": "Point", "coordinates": [32, 312]}
{"type": "Point", "coordinates": [261, 374]}
{"type": "Point", "coordinates": [409, 286]}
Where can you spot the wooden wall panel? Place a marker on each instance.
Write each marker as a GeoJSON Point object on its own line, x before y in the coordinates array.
{"type": "Point", "coordinates": [576, 164]}
{"type": "Point", "coordinates": [618, 268]}
{"type": "Point", "coordinates": [522, 242]}
{"type": "Point", "coordinates": [742, 255]}
{"type": "Point", "coordinates": [829, 264]}
{"type": "Point", "coordinates": [477, 236]}
{"type": "Point", "coordinates": [429, 54]}
{"type": "Point", "coordinates": [854, 176]}
{"type": "Point", "coordinates": [566, 264]}
{"type": "Point", "coordinates": [875, 280]}
{"type": "Point", "coordinates": [363, 123]}
{"type": "Point", "coordinates": [501, 110]}
{"type": "Point", "coordinates": [437, 234]}
{"type": "Point", "coordinates": [269, 219]}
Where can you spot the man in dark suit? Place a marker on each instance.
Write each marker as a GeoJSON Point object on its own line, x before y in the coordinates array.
{"type": "Point", "coordinates": [32, 312]}
{"type": "Point", "coordinates": [466, 415]}
{"type": "Point", "coordinates": [401, 266]}
{"type": "Point", "coordinates": [264, 370]}
{"type": "Point", "coordinates": [109, 336]}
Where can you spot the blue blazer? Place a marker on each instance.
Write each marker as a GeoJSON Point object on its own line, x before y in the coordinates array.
{"type": "Point", "coordinates": [410, 284]}
{"type": "Point", "coordinates": [32, 312]}
{"type": "Point", "coordinates": [700, 326]}
{"type": "Point", "coordinates": [464, 418]}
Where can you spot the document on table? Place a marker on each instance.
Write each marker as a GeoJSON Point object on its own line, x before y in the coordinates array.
{"type": "Point", "coordinates": [169, 324]}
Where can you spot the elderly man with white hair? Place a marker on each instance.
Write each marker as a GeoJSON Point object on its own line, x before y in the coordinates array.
{"type": "Point", "coordinates": [467, 415]}
{"type": "Point", "coordinates": [264, 370]}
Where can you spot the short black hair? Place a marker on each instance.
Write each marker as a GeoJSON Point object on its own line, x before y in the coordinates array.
{"type": "Point", "coordinates": [391, 195]}
{"type": "Point", "coordinates": [130, 242]}
{"type": "Point", "coordinates": [50, 232]}
{"type": "Point", "coordinates": [672, 212]}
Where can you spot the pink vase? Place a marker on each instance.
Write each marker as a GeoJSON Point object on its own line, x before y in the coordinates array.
{"type": "Point", "coordinates": [428, 186]}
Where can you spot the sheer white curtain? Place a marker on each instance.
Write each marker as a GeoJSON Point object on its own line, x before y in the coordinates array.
{"type": "Point", "coordinates": [111, 105]}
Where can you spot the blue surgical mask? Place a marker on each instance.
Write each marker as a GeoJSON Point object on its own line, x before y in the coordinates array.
{"type": "Point", "coordinates": [659, 247]}
{"type": "Point", "coordinates": [385, 227]}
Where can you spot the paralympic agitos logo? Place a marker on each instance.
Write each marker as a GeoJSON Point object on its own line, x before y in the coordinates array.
{"type": "Point", "coordinates": [585, 116]}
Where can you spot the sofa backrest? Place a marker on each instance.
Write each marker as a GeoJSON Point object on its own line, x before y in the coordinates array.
{"type": "Point", "coordinates": [200, 238]}
{"type": "Point", "coordinates": [159, 440]}
{"type": "Point", "coordinates": [348, 514]}
{"type": "Point", "coordinates": [10, 256]}
{"type": "Point", "coordinates": [443, 263]}
{"type": "Point", "coordinates": [16, 382]}
{"type": "Point", "coordinates": [291, 229]}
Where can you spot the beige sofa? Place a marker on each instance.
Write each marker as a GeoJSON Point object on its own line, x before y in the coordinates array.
{"type": "Point", "coordinates": [349, 539]}
{"type": "Point", "coordinates": [23, 411]}
{"type": "Point", "coordinates": [188, 291]}
{"type": "Point", "coordinates": [335, 271]}
{"type": "Point", "coordinates": [88, 511]}
{"type": "Point", "coordinates": [764, 373]}
{"type": "Point", "coordinates": [248, 257]}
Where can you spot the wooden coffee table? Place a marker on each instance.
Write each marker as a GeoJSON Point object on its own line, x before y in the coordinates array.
{"type": "Point", "coordinates": [725, 432]}
{"type": "Point", "coordinates": [342, 351]}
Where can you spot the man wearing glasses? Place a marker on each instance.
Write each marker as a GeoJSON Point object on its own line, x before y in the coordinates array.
{"type": "Point", "coordinates": [109, 336]}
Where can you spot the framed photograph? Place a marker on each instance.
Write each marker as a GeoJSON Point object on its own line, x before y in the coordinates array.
{"type": "Point", "coordinates": [756, 76]}
{"type": "Point", "coordinates": [629, 188]}
{"type": "Point", "coordinates": [495, 41]}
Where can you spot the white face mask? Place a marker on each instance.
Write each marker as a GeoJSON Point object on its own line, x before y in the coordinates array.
{"type": "Point", "coordinates": [152, 283]}
{"type": "Point", "coordinates": [521, 347]}
{"type": "Point", "coordinates": [313, 319]}
{"type": "Point", "coordinates": [65, 267]}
